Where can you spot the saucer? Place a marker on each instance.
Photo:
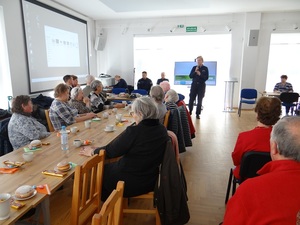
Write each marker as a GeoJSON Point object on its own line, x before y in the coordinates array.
{"type": "Point", "coordinates": [57, 170]}
{"type": "Point", "coordinates": [21, 199]}
{"type": "Point", "coordinates": [110, 130]}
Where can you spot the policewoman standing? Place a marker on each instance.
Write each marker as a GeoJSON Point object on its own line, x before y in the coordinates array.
{"type": "Point", "coordinates": [199, 74]}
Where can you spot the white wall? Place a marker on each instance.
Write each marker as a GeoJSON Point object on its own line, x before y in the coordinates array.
{"type": "Point", "coordinates": [117, 56]}
{"type": "Point", "coordinates": [248, 63]}
{"type": "Point", "coordinates": [16, 44]}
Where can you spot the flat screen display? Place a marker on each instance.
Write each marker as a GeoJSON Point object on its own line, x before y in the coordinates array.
{"type": "Point", "coordinates": [182, 71]}
{"type": "Point", "coordinates": [56, 45]}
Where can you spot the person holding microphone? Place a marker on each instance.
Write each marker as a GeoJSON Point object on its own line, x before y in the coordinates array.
{"type": "Point", "coordinates": [199, 74]}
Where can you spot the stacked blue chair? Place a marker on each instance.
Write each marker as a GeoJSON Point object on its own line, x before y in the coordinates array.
{"type": "Point", "coordinates": [248, 96]}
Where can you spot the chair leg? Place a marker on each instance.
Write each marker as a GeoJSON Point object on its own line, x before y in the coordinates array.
{"type": "Point", "coordinates": [229, 185]}
{"type": "Point", "coordinates": [240, 108]}
{"type": "Point", "coordinates": [234, 182]}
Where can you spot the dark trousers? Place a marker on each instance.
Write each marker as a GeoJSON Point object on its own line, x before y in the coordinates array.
{"type": "Point", "coordinates": [197, 90]}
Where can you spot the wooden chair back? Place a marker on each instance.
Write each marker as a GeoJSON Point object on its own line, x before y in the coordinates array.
{"type": "Point", "coordinates": [111, 211]}
{"type": "Point", "coordinates": [87, 189]}
{"type": "Point", "coordinates": [50, 126]}
{"type": "Point", "coordinates": [166, 119]}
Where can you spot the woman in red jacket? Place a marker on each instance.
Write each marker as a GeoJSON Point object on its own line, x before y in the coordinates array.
{"type": "Point", "coordinates": [268, 111]}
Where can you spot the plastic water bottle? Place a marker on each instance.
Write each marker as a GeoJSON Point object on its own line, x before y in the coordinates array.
{"type": "Point", "coordinates": [64, 141]}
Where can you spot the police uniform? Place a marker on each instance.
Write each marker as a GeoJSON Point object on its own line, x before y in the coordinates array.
{"type": "Point", "coordinates": [198, 87]}
{"type": "Point", "coordinates": [145, 84]}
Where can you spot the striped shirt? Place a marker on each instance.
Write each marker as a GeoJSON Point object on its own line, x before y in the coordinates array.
{"type": "Point", "coordinates": [287, 87]}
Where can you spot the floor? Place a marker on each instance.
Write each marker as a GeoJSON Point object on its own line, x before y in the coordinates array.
{"type": "Point", "coordinates": [206, 167]}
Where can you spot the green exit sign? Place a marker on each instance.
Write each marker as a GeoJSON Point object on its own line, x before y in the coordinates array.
{"type": "Point", "coordinates": [191, 29]}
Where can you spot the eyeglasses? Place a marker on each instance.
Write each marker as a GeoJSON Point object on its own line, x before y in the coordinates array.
{"type": "Point", "coordinates": [131, 113]}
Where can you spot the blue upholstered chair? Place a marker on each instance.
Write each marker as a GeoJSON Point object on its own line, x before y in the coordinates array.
{"type": "Point", "coordinates": [248, 96]}
{"type": "Point", "coordinates": [140, 91]}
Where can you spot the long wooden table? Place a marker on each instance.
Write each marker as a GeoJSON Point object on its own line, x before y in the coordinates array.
{"type": "Point", "coordinates": [50, 155]}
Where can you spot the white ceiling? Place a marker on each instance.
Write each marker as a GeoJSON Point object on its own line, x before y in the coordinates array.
{"type": "Point", "coordinates": [128, 9]}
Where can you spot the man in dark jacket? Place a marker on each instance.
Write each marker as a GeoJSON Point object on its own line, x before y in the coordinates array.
{"type": "Point", "coordinates": [199, 74]}
{"type": "Point", "coordinates": [145, 83]}
{"type": "Point", "coordinates": [121, 83]}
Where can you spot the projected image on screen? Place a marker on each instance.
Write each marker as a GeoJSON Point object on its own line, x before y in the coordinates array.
{"type": "Point", "coordinates": [56, 45]}
{"type": "Point", "coordinates": [182, 71]}
{"type": "Point", "coordinates": [60, 45]}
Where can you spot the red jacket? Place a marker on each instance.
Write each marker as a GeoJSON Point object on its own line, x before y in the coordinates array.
{"type": "Point", "coordinates": [272, 198]}
{"type": "Point", "coordinates": [257, 139]}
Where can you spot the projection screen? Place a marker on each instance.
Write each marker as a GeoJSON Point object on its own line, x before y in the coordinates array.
{"type": "Point", "coordinates": [56, 45]}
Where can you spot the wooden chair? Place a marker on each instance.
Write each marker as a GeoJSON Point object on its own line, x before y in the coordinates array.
{"type": "Point", "coordinates": [154, 211]}
{"type": "Point", "coordinates": [50, 126]}
{"type": "Point", "coordinates": [166, 119]}
{"type": "Point", "coordinates": [87, 189]}
{"type": "Point", "coordinates": [111, 211]}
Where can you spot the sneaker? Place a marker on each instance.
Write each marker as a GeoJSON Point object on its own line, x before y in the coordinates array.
{"type": "Point", "coordinates": [198, 117]}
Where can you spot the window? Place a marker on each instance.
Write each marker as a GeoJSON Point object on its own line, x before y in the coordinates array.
{"type": "Point", "coordinates": [284, 59]}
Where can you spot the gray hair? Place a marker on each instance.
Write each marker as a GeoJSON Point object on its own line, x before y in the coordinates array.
{"type": "Point", "coordinates": [75, 92]}
{"type": "Point", "coordinates": [89, 79]}
{"type": "Point", "coordinates": [95, 84]}
{"type": "Point", "coordinates": [145, 107]}
{"type": "Point", "coordinates": [287, 136]}
{"type": "Point", "coordinates": [157, 93]}
{"type": "Point", "coordinates": [172, 96]}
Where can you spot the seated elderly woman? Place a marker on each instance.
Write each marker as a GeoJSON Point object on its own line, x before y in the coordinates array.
{"type": "Point", "coordinates": [141, 150]}
{"type": "Point", "coordinates": [171, 98]}
{"type": "Point", "coordinates": [157, 94]}
{"type": "Point", "coordinates": [61, 113]}
{"type": "Point", "coordinates": [22, 127]}
{"type": "Point", "coordinates": [268, 112]}
{"type": "Point", "coordinates": [77, 101]}
{"type": "Point", "coordinates": [97, 98]}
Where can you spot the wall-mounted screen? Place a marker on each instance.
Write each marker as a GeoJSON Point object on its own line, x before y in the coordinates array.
{"type": "Point", "coordinates": [56, 45]}
{"type": "Point", "coordinates": [182, 71]}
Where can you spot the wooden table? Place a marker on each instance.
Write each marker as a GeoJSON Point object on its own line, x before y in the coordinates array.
{"type": "Point", "coordinates": [113, 97]}
{"type": "Point", "coordinates": [50, 155]}
{"type": "Point", "coordinates": [270, 94]}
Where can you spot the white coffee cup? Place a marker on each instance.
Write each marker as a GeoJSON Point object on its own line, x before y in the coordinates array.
{"type": "Point", "coordinates": [73, 130]}
{"type": "Point", "coordinates": [124, 102]}
{"type": "Point", "coordinates": [4, 206]}
{"type": "Point", "coordinates": [109, 127]}
{"type": "Point", "coordinates": [77, 143]}
{"type": "Point", "coordinates": [105, 115]}
{"type": "Point", "coordinates": [119, 117]}
{"type": "Point", "coordinates": [87, 123]}
{"type": "Point", "coordinates": [28, 156]}
{"type": "Point", "coordinates": [115, 110]}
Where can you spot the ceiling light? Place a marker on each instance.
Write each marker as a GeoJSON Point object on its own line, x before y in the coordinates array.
{"type": "Point", "coordinates": [228, 28]}
{"type": "Point", "coordinates": [202, 29]}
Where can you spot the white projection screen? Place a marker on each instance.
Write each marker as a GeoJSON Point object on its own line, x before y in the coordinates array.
{"type": "Point", "coordinates": [56, 45]}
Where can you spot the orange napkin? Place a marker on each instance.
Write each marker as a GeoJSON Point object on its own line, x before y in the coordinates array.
{"type": "Point", "coordinates": [8, 170]}
{"type": "Point", "coordinates": [43, 189]}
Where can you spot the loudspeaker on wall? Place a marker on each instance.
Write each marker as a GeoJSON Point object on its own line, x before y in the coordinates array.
{"type": "Point", "coordinates": [253, 38]}
{"type": "Point", "coordinates": [100, 43]}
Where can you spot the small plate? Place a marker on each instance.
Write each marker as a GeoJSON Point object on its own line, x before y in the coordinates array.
{"type": "Point", "coordinates": [96, 119]}
{"type": "Point", "coordinates": [21, 199]}
{"type": "Point", "coordinates": [82, 143]}
{"type": "Point", "coordinates": [57, 170]}
{"type": "Point", "coordinates": [109, 130]}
